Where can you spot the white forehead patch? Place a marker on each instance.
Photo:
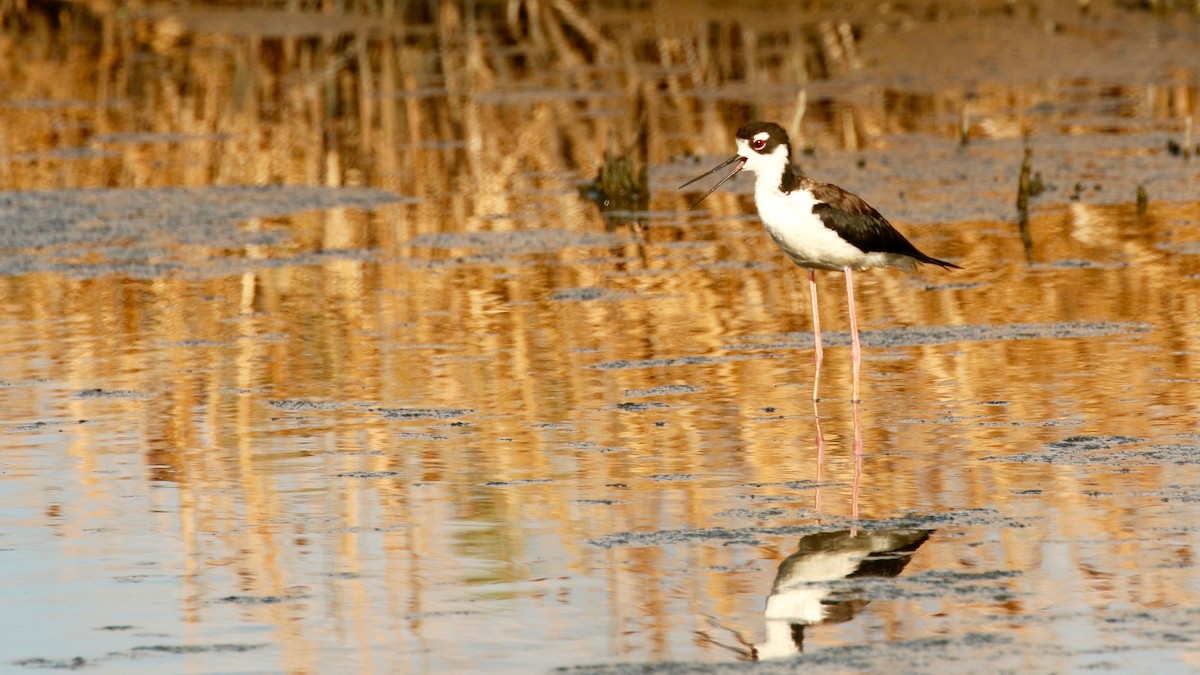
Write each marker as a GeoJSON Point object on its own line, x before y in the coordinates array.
{"type": "Point", "coordinates": [761, 136]}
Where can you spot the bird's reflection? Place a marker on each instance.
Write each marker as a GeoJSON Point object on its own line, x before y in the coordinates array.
{"type": "Point", "coordinates": [804, 594]}
{"type": "Point", "coordinates": [806, 591]}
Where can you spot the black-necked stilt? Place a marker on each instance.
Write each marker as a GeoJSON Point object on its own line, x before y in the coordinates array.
{"type": "Point", "coordinates": [818, 225]}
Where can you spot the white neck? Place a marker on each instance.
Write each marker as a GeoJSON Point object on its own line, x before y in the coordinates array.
{"type": "Point", "coordinates": [766, 182]}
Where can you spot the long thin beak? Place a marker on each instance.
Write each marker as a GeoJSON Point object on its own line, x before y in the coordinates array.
{"type": "Point", "coordinates": [722, 165]}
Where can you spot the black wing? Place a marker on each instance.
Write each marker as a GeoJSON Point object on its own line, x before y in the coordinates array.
{"type": "Point", "coordinates": [861, 225]}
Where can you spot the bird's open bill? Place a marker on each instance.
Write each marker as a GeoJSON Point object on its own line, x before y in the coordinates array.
{"type": "Point", "coordinates": [716, 168]}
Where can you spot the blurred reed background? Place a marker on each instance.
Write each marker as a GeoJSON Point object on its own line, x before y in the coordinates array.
{"type": "Point", "coordinates": [479, 100]}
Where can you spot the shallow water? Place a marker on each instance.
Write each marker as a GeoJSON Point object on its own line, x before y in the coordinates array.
{"type": "Point", "coordinates": [307, 370]}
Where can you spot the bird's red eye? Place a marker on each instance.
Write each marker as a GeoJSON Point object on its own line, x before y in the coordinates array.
{"type": "Point", "coordinates": [758, 144]}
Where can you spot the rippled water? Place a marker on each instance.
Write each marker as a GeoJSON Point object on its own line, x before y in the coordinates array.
{"type": "Point", "coordinates": [314, 358]}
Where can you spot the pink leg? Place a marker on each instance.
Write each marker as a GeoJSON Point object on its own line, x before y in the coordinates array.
{"type": "Point", "coordinates": [855, 347]}
{"type": "Point", "coordinates": [818, 352]}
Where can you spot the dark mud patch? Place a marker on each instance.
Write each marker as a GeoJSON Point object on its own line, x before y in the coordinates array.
{"type": "Point", "coordinates": [920, 336]}
{"type": "Point", "coordinates": [109, 393]}
{"type": "Point", "coordinates": [369, 474]}
{"type": "Point", "coordinates": [422, 413]}
{"type": "Point", "coordinates": [954, 286]}
{"type": "Point", "coordinates": [518, 483]}
{"type": "Point", "coordinates": [639, 407]}
{"type": "Point", "coordinates": [79, 662]}
{"type": "Point", "coordinates": [680, 361]}
{"type": "Point", "coordinates": [365, 529]}
{"type": "Point", "coordinates": [54, 664]}
{"type": "Point", "coordinates": [421, 436]}
{"type": "Point", "coordinates": [136, 578]}
{"type": "Point", "coordinates": [756, 535]}
{"type": "Point", "coordinates": [791, 485]}
{"type": "Point", "coordinates": [260, 599]}
{"type": "Point", "coordinates": [673, 477]}
{"type": "Point", "coordinates": [934, 584]}
{"type": "Point", "coordinates": [752, 514]}
{"type": "Point", "coordinates": [6, 384]}
{"type": "Point", "coordinates": [511, 242]}
{"type": "Point", "coordinates": [433, 614]}
{"type": "Point", "coordinates": [958, 420]}
{"type": "Point", "coordinates": [196, 343]}
{"type": "Point", "coordinates": [595, 447]}
{"type": "Point", "coordinates": [907, 336]}
{"type": "Point", "coordinates": [345, 576]}
{"type": "Point", "coordinates": [1074, 450]}
{"type": "Point", "coordinates": [302, 405]}
{"type": "Point", "coordinates": [767, 499]}
{"type": "Point", "coordinates": [1188, 494]}
{"type": "Point", "coordinates": [589, 294]}
{"type": "Point", "coordinates": [1168, 453]}
{"type": "Point", "coordinates": [163, 266]}
{"type": "Point", "coordinates": [1078, 265]}
{"type": "Point", "coordinates": [712, 535]}
{"type": "Point", "coordinates": [1085, 450]}
{"type": "Point", "coordinates": [42, 426]}
{"type": "Point", "coordinates": [200, 216]}
{"type": "Point", "coordinates": [199, 649]}
{"type": "Point", "coordinates": [133, 231]}
{"type": "Point", "coordinates": [664, 390]}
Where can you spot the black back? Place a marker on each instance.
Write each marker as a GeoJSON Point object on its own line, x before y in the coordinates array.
{"type": "Point", "coordinates": [854, 220]}
{"type": "Point", "coordinates": [859, 223]}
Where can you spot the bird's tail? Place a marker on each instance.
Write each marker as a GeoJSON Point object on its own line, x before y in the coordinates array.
{"type": "Point", "coordinates": [934, 261]}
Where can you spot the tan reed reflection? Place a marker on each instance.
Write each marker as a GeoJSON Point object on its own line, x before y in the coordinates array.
{"type": "Point", "coordinates": [488, 337]}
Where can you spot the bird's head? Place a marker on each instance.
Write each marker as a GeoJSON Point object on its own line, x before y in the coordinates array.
{"type": "Point", "coordinates": [762, 147]}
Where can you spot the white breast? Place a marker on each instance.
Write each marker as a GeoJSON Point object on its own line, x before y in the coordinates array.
{"type": "Point", "coordinates": [791, 223]}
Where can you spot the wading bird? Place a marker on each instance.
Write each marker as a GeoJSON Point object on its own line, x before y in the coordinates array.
{"type": "Point", "coordinates": [818, 225]}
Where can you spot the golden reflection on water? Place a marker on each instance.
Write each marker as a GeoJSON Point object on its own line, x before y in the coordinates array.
{"type": "Point", "coordinates": [267, 416]}
{"type": "Point", "coordinates": [263, 487]}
